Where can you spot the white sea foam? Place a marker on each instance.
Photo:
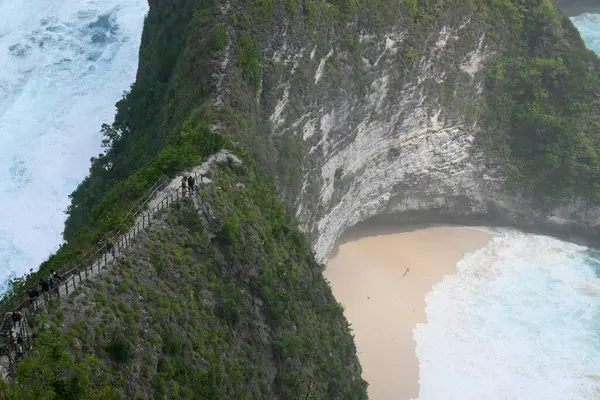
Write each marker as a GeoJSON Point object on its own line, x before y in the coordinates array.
{"type": "Point", "coordinates": [519, 320]}
{"type": "Point", "coordinates": [589, 27]}
{"type": "Point", "coordinates": [63, 65]}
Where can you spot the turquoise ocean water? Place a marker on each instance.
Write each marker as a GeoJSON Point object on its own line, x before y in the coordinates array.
{"type": "Point", "coordinates": [520, 319]}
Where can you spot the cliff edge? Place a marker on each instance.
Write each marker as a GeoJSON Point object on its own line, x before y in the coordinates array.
{"type": "Point", "coordinates": [416, 110]}
{"type": "Point", "coordinates": [403, 111]}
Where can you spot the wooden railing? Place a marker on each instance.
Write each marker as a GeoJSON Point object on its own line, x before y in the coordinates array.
{"type": "Point", "coordinates": [97, 259]}
{"type": "Point", "coordinates": [17, 301]}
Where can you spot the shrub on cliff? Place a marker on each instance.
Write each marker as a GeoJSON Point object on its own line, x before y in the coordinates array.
{"type": "Point", "coordinates": [544, 93]}
{"type": "Point", "coordinates": [221, 319]}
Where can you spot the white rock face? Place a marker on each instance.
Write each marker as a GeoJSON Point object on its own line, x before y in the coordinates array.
{"type": "Point", "coordinates": [439, 157]}
{"type": "Point", "coordinates": [319, 73]}
{"type": "Point", "coordinates": [404, 155]}
{"type": "Point", "coordinates": [392, 133]}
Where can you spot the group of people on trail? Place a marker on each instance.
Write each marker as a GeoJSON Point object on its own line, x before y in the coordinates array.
{"type": "Point", "coordinates": [16, 316]}
{"type": "Point", "coordinates": [188, 182]}
{"type": "Point", "coordinates": [15, 330]}
{"type": "Point", "coordinates": [44, 285]}
{"type": "Point", "coordinates": [52, 281]}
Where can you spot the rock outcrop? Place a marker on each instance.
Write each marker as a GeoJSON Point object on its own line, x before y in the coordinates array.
{"type": "Point", "coordinates": [387, 127]}
{"type": "Point", "coordinates": [377, 109]}
{"type": "Point", "coordinates": [412, 111]}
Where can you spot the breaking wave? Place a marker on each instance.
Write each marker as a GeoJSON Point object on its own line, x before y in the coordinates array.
{"type": "Point", "coordinates": [63, 66]}
{"type": "Point", "coordinates": [519, 320]}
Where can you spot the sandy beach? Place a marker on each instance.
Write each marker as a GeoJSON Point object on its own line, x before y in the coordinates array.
{"type": "Point", "coordinates": [384, 302]}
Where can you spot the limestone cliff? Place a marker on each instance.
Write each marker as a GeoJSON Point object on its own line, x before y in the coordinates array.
{"type": "Point", "coordinates": [403, 111]}
{"type": "Point", "coordinates": [384, 119]}
{"type": "Point", "coordinates": [413, 110]}
{"type": "Point", "coordinates": [218, 297]}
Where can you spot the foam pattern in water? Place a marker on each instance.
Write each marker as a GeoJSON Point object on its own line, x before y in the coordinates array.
{"type": "Point", "coordinates": [589, 27]}
{"type": "Point", "coordinates": [63, 65]}
{"type": "Point", "coordinates": [520, 320]}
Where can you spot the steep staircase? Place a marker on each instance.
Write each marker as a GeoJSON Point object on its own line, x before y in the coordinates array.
{"type": "Point", "coordinates": [17, 340]}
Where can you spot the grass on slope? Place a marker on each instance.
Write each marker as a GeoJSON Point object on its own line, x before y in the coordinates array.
{"type": "Point", "coordinates": [185, 149]}
{"type": "Point", "coordinates": [247, 315]}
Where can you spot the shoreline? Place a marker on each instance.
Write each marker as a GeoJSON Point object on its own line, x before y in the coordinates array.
{"type": "Point", "coordinates": [382, 280]}
{"type": "Point", "coordinates": [373, 228]}
{"type": "Point", "coordinates": [567, 231]}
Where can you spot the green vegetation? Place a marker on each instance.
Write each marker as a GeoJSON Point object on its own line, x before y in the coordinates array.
{"type": "Point", "coordinates": [158, 130]}
{"type": "Point", "coordinates": [247, 315]}
{"type": "Point", "coordinates": [248, 55]}
{"type": "Point", "coordinates": [185, 150]}
{"type": "Point", "coordinates": [311, 11]}
{"type": "Point", "coordinates": [413, 8]}
{"type": "Point", "coordinates": [169, 86]}
{"type": "Point", "coordinates": [544, 90]}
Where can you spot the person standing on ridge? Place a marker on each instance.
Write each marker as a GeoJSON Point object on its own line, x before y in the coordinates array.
{"type": "Point", "coordinates": [33, 295]}
{"type": "Point", "coordinates": [17, 316]}
{"type": "Point", "coordinates": [110, 247]}
{"type": "Point", "coordinates": [19, 344]}
{"type": "Point", "coordinates": [54, 279]}
{"type": "Point", "coordinates": [183, 184]}
{"type": "Point", "coordinates": [45, 285]}
{"type": "Point", "coordinates": [191, 182]}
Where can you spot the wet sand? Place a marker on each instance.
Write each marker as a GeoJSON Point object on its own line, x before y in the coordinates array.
{"type": "Point", "coordinates": [384, 303]}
